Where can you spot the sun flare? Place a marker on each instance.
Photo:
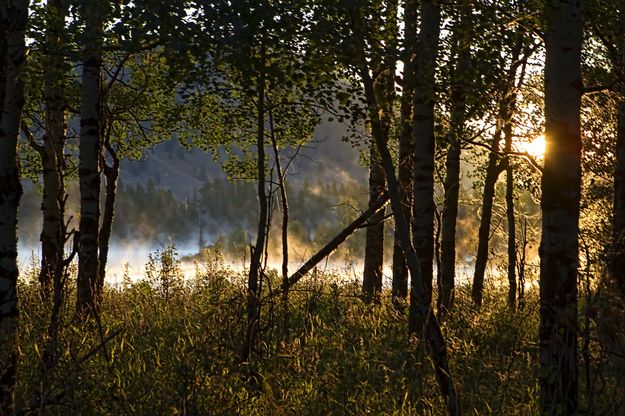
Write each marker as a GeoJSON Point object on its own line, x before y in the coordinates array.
{"type": "Point", "coordinates": [535, 147]}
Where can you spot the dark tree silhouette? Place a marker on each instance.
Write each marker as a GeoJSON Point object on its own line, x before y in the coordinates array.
{"type": "Point", "coordinates": [560, 208]}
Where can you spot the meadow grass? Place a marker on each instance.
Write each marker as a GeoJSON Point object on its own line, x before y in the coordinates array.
{"type": "Point", "coordinates": [173, 349]}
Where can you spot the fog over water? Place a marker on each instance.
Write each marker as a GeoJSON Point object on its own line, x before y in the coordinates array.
{"type": "Point", "coordinates": [130, 260]}
{"type": "Point", "coordinates": [173, 194]}
{"type": "Point", "coordinates": [180, 196]}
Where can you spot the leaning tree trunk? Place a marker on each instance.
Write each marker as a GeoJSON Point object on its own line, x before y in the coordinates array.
{"type": "Point", "coordinates": [423, 135]}
{"type": "Point", "coordinates": [333, 244]}
{"type": "Point", "coordinates": [452, 163]}
{"type": "Point", "coordinates": [561, 183]}
{"type": "Point", "coordinates": [14, 18]}
{"type": "Point", "coordinates": [53, 152]}
{"type": "Point", "coordinates": [405, 169]}
{"type": "Point", "coordinates": [89, 161]}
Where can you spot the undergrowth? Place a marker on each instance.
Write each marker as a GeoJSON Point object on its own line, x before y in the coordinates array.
{"type": "Point", "coordinates": [169, 346]}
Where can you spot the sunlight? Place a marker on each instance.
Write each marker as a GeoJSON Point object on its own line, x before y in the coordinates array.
{"type": "Point", "coordinates": [535, 147]}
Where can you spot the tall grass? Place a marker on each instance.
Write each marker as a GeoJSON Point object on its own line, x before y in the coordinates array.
{"type": "Point", "coordinates": [174, 350]}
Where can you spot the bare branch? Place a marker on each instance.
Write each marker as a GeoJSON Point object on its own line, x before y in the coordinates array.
{"type": "Point", "coordinates": [336, 241]}
{"type": "Point", "coordinates": [31, 139]}
{"type": "Point", "coordinates": [531, 159]}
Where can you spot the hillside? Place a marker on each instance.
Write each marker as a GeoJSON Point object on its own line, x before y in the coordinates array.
{"type": "Point", "coordinates": [171, 166]}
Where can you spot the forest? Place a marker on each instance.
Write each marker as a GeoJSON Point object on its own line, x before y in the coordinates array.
{"type": "Point", "coordinates": [477, 268]}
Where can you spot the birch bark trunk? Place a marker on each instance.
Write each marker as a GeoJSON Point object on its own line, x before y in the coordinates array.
{"type": "Point", "coordinates": [384, 88]}
{"type": "Point", "coordinates": [406, 145]}
{"type": "Point", "coordinates": [89, 161]}
{"type": "Point", "coordinates": [14, 17]}
{"type": "Point", "coordinates": [255, 275]}
{"type": "Point", "coordinates": [423, 136]}
{"type": "Point", "coordinates": [53, 155]}
{"type": "Point", "coordinates": [374, 239]}
{"type": "Point", "coordinates": [111, 173]}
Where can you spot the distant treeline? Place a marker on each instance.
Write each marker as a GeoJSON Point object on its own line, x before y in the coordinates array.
{"type": "Point", "coordinates": [226, 212]}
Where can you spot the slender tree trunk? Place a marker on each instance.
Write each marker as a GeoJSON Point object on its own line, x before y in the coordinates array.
{"type": "Point", "coordinates": [111, 173]}
{"type": "Point", "coordinates": [422, 299]}
{"type": "Point", "coordinates": [14, 18]}
{"type": "Point", "coordinates": [618, 214]}
{"type": "Point", "coordinates": [492, 175]}
{"type": "Point", "coordinates": [254, 276]}
{"type": "Point", "coordinates": [510, 219]}
{"type": "Point", "coordinates": [423, 136]}
{"type": "Point", "coordinates": [89, 162]}
{"type": "Point", "coordinates": [618, 259]}
{"type": "Point", "coordinates": [384, 86]}
{"type": "Point", "coordinates": [521, 267]}
{"type": "Point", "coordinates": [53, 273]}
{"type": "Point", "coordinates": [53, 155]}
{"type": "Point", "coordinates": [400, 271]}
{"type": "Point", "coordinates": [495, 167]}
{"type": "Point", "coordinates": [452, 163]}
{"type": "Point", "coordinates": [561, 184]}
{"type": "Point", "coordinates": [406, 145]}
{"type": "Point", "coordinates": [285, 224]}
{"type": "Point", "coordinates": [448, 228]}
{"type": "Point", "coordinates": [52, 276]}
{"type": "Point", "coordinates": [374, 240]}
{"type": "Point", "coordinates": [437, 245]}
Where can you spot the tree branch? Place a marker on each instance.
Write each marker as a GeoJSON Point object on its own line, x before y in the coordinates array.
{"type": "Point", "coordinates": [531, 159]}
{"type": "Point", "coordinates": [39, 148]}
{"type": "Point", "coordinates": [335, 242]}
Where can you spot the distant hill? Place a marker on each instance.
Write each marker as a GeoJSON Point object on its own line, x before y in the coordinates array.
{"type": "Point", "coordinates": [166, 191]}
{"type": "Point", "coordinates": [171, 166]}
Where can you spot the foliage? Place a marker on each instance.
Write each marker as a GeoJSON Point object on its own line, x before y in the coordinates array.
{"type": "Point", "coordinates": [249, 44]}
{"type": "Point", "coordinates": [193, 70]}
{"type": "Point", "coordinates": [163, 271]}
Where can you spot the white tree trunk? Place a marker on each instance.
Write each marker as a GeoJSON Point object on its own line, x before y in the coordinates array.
{"type": "Point", "coordinates": [53, 201]}
{"type": "Point", "coordinates": [14, 20]}
{"type": "Point", "coordinates": [89, 167]}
